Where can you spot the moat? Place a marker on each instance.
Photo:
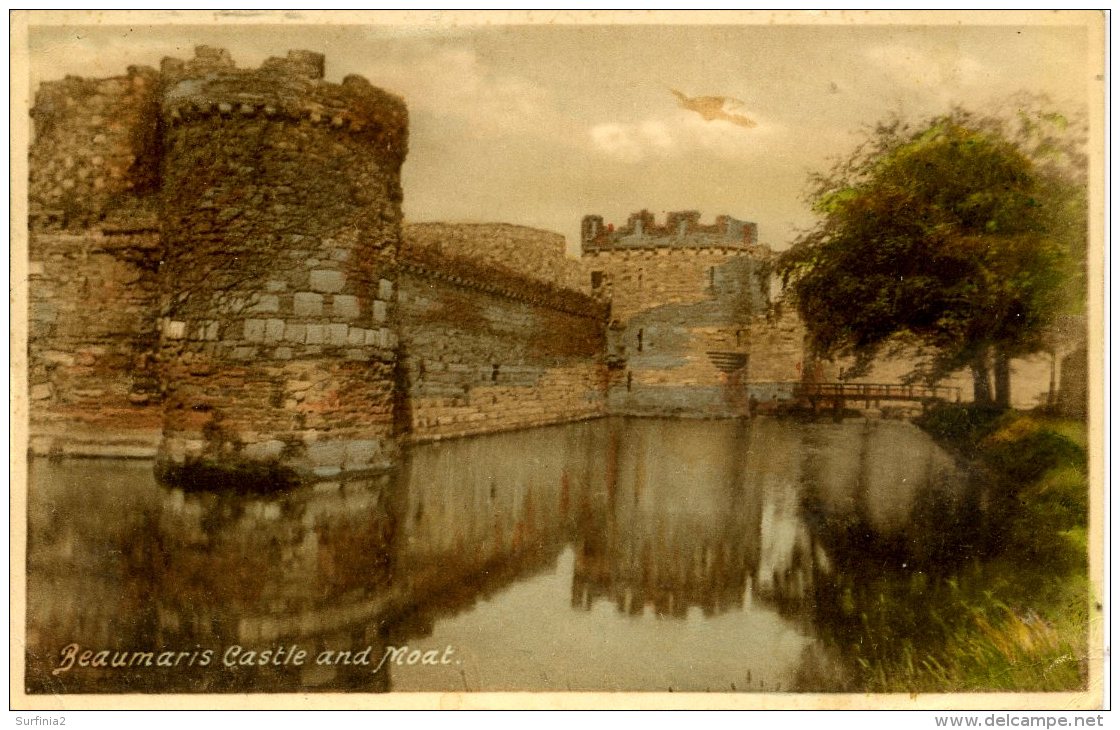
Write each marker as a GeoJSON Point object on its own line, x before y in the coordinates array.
{"type": "Point", "coordinates": [612, 554]}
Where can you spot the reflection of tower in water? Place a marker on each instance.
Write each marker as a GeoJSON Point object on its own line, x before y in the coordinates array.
{"type": "Point", "coordinates": [204, 572]}
{"type": "Point", "coordinates": [671, 522]}
{"type": "Point", "coordinates": [311, 567]}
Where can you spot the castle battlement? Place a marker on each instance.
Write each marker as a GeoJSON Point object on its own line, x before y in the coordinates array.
{"type": "Point", "coordinates": [209, 87]}
{"type": "Point", "coordinates": [220, 279]}
{"type": "Point", "coordinates": [682, 229]}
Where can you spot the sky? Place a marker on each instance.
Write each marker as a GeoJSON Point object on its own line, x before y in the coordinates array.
{"type": "Point", "coordinates": [539, 125]}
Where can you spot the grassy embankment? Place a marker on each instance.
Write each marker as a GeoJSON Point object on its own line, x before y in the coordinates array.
{"type": "Point", "coordinates": [1011, 611]}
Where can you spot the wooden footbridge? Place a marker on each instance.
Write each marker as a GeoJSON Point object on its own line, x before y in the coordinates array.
{"type": "Point", "coordinates": [837, 395]}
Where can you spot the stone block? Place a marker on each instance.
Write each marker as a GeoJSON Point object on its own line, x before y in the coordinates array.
{"type": "Point", "coordinates": [282, 353]}
{"type": "Point", "coordinates": [380, 310]}
{"type": "Point", "coordinates": [174, 330]}
{"type": "Point", "coordinates": [345, 305]}
{"type": "Point", "coordinates": [43, 312]}
{"type": "Point", "coordinates": [385, 289]}
{"type": "Point", "coordinates": [361, 453]}
{"type": "Point", "coordinates": [266, 303]}
{"type": "Point", "coordinates": [253, 330]}
{"type": "Point", "coordinates": [356, 337]}
{"type": "Point", "coordinates": [295, 332]}
{"type": "Point", "coordinates": [276, 285]}
{"type": "Point", "coordinates": [264, 450]}
{"type": "Point", "coordinates": [274, 330]}
{"type": "Point", "coordinates": [40, 392]}
{"type": "Point", "coordinates": [315, 334]}
{"type": "Point", "coordinates": [337, 334]}
{"type": "Point", "coordinates": [327, 454]}
{"type": "Point", "coordinates": [307, 304]}
{"type": "Point", "coordinates": [327, 280]}
{"type": "Point", "coordinates": [244, 353]}
{"type": "Point", "coordinates": [56, 357]}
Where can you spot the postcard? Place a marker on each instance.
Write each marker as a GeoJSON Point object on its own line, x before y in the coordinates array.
{"type": "Point", "coordinates": [565, 359]}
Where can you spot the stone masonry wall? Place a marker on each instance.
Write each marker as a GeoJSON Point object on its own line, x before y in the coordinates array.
{"type": "Point", "coordinates": [281, 209]}
{"type": "Point", "coordinates": [529, 252]}
{"type": "Point", "coordinates": [485, 351]}
{"type": "Point", "coordinates": [682, 307]}
{"type": "Point", "coordinates": [94, 159]}
{"type": "Point", "coordinates": [92, 336]}
{"type": "Point", "coordinates": [93, 259]}
{"type": "Point", "coordinates": [217, 268]}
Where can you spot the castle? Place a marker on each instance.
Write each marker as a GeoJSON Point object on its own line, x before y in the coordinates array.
{"type": "Point", "coordinates": [220, 277]}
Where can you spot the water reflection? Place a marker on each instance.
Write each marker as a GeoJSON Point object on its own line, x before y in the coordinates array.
{"type": "Point", "coordinates": [672, 524]}
{"type": "Point", "coordinates": [634, 554]}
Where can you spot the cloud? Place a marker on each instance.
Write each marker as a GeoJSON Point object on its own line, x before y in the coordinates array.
{"type": "Point", "coordinates": [454, 83]}
{"type": "Point", "coordinates": [633, 142]}
{"type": "Point", "coordinates": [918, 70]}
{"type": "Point", "coordinates": [679, 134]}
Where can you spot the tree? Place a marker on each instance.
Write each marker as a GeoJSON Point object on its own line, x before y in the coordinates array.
{"type": "Point", "coordinates": [965, 234]}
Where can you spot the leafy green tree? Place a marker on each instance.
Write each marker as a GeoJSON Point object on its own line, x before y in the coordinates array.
{"type": "Point", "coordinates": [966, 234]}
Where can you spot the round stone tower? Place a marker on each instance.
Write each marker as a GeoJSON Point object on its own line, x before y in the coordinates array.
{"type": "Point", "coordinates": [280, 226]}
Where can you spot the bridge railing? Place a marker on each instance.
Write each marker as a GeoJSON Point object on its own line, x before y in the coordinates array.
{"type": "Point", "coordinates": [874, 391]}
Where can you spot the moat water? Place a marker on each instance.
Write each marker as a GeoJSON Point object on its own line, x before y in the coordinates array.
{"type": "Point", "coordinates": [617, 554]}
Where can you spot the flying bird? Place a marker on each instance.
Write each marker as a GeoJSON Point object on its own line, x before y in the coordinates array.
{"type": "Point", "coordinates": [715, 107]}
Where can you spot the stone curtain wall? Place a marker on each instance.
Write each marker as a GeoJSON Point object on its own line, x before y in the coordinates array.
{"type": "Point", "coordinates": [92, 338]}
{"type": "Point", "coordinates": [93, 261]}
{"type": "Point", "coordinates": [529, 252]}
{"type": "Point", "coordinates": [485, 350]}
{"type": "Point", "coordinates": [214, 258]}
{"type": "Point", "coordinates": [683, 299]}
{"type": "Point", "coordinates": [218, 269]}
{"type": "Point", "coordinates": [281, 210]}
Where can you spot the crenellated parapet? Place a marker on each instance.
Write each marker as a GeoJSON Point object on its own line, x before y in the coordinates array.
{"type": "Point", "coordinates": [209, 89]}
{"type": "Point", "coordinates": [681, 229]}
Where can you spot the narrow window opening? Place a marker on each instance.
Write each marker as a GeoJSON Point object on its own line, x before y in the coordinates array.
{"type": "Point", "coordinates": [711, 276]}
{"type": "Point", "coordinates": [596, 279]}
{"type": "Point", "coordinates": [640, 333]}
{"type": "Point", "coordinates": [629, 380]}
{"type": "Point", "coordinates": [494, 374]}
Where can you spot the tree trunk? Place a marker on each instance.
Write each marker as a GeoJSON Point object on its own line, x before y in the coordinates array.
{"type": "Point", "coordinates": [1052, 394]}
{"type": "Point", "coordinates": [1003, 378]}
{"type": "Point", "coordinates": [981, 383]}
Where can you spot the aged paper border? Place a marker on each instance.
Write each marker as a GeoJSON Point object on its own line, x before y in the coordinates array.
{"type": "Point", "coordinates": [20, 98]}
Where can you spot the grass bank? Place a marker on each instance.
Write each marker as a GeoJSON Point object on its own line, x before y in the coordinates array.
{"type": "Point", "coordinates": [1005, 606]}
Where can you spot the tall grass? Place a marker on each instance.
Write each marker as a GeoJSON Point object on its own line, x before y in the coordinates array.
{"type": "Point", "coordinates": [1013, 614]}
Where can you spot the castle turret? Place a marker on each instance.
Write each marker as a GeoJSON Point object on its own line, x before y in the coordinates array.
{"type": "Point", "coordinates": [280, 226]}
{"type": "Point", "coordinates": [683, 299]}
